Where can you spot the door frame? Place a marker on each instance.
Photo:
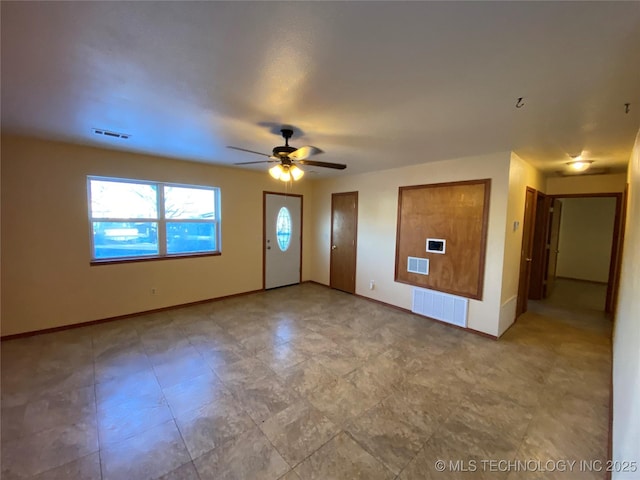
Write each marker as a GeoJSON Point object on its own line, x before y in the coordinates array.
{"type": "Point", "coordinates": [355, 257]}
{"type": "Point", "coordinates": [615, 256]}
{"type": "Point", "coordinates": [623, 225]}
{"type": "Point", "coordinates": [264, 231]}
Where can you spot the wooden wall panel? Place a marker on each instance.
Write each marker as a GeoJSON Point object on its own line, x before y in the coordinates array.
{"type": "Point", "coordinates": [457, 212]}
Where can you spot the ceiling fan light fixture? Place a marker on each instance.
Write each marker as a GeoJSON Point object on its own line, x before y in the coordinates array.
{"type": "Point", "coordinates": [296, 172]}
{"type": "Point", "coordinates": [579, 165]}
{"type": "Point", "coordinates": [286, 172]}
{"type": "Point", "coordinates": [276, 171]}
{"type": "Point", "coordinates": [285, 176]}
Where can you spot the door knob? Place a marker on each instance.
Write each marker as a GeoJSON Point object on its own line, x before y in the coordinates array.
{"type": "Point", "coordinates": [333, 247]}
{"type": "Point", "coordinates": [529, 259]}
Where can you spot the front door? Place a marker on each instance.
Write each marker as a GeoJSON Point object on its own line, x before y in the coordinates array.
{"type": "Point", "coordinates": [344, 231]}
{"type": "Point", "coordinates": [282, 239]}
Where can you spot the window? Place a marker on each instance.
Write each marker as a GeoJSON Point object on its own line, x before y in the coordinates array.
{"type": "Point", "coordinates": [133, 219]}
{"type": "Point", "coordinates": [283, 229]}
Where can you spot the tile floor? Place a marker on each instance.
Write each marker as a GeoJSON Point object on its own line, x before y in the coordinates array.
{"type": "Point", "coordinates": [578, 295]}
{"type": "Point", "coordinates": [302, 383]}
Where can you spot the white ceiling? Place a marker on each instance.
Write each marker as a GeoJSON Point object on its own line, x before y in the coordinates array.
{"type": "Point", "coordinates": [376, 85]}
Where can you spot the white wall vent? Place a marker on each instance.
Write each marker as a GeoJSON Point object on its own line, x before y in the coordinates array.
{"type": "Point", "coordinates": [418, 265]}
{"type": "Point", "coordinates": [441, 306]}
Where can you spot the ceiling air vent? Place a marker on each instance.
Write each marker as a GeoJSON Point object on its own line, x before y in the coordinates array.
{"type": "Point", "coordinates": [109, 133]}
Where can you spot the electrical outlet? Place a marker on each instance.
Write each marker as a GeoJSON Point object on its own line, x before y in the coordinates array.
{"type": "Point", "coordinates": [154, 291]}
{"type": "Point", "coordinates": [372, 284]}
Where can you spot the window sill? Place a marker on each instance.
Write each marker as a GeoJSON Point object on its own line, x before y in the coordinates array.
{"type": "Point", "coordinates": [112, 261]}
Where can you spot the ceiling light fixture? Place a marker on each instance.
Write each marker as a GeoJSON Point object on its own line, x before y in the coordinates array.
{"type": "Point", "coordinates": [579, 165]}
{"type": "Point", "coordinates": [286, 172]}
{"type": "Point", "coordinates": [296, 172]}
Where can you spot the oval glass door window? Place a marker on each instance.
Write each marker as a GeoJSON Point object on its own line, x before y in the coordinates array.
{"type": "Point", "coordinates": [283, 229]}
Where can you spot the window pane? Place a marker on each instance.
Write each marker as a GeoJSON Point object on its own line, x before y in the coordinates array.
{"type": "Point", "coordinates": [186, 203]}
{"type": "Point", "coordinates": [124, 239]}
{"type": "Point", "coordinates": [112, 199]}
{"type": "Point", "coordinates": [187, 237]}
{"type": "Point", "coordinates": [283, 228]}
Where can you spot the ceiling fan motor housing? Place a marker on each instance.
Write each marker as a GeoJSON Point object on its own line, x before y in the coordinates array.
{"type": "Point", "coordinates": [283, 151]}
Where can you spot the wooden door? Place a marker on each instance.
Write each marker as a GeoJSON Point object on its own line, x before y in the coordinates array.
{"type": "Point", "coordinates": [282, 239]}
{"type": "Point", "coordinates": [555, 216]}
{"type": "Point", "coordinates": [539, 251]}
{"type": "Point", "coordinates": [344, 233]}
{"type": "Point", "coordinates": [526, 251]}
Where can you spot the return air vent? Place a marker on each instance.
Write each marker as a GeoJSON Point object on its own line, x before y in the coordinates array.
{"type": "Point", "coordinates": [441, 306]}
{"type": "Point", "coordinates": [418, 265]}
{"type": "Point", "coordinates": [108, 133]}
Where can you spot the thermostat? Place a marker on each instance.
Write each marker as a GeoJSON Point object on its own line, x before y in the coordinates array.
{"type": "Point", "coordinates": [436, 245]}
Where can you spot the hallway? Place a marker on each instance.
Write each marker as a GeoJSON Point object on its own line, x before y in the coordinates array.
{"type": "Point", "coordinates": [578, 303]}
{"type": "Point", "coordinates": [575, 327]}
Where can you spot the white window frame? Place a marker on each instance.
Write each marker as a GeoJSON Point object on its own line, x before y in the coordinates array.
{"type": "Point", "coordinates": [161, 221]}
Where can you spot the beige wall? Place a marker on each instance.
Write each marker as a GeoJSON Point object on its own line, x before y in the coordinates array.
{"type": "Point", "coordinates": [626, 337]}
{"type": "Point", "coordinates": [377, 217]}
{"type": "Point", "coordinates": [586, 184]}
{"type": "Point", "coordinates": [521, 176]}
{"type": "Point", "coordinates": [46, 277]}
{"type": "Point", "coordinates": [586, 235]}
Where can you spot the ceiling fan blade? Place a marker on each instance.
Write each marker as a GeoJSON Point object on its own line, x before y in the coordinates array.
{"type": "Point", "coordinates": [259, 161]}
{"type": "Point", "coordinates": [250, 151]}
{"type": "Point", "coordinates": [313, 163]}
{"type": "Point", "coordinates": [304, 152]}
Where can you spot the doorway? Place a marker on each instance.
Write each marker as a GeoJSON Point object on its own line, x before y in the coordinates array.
{"type": "Point", "coordinates": [588, 243]}
{"type": "Point", "coordinates": [282, 239]}
{"type": "Point", "coordinates": [577, 240]}
{"type": "Point", "coordinates": [344, 241]}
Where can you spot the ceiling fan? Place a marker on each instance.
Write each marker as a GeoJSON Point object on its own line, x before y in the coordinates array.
{"type": "Point", "coordinates": [288, 158]}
